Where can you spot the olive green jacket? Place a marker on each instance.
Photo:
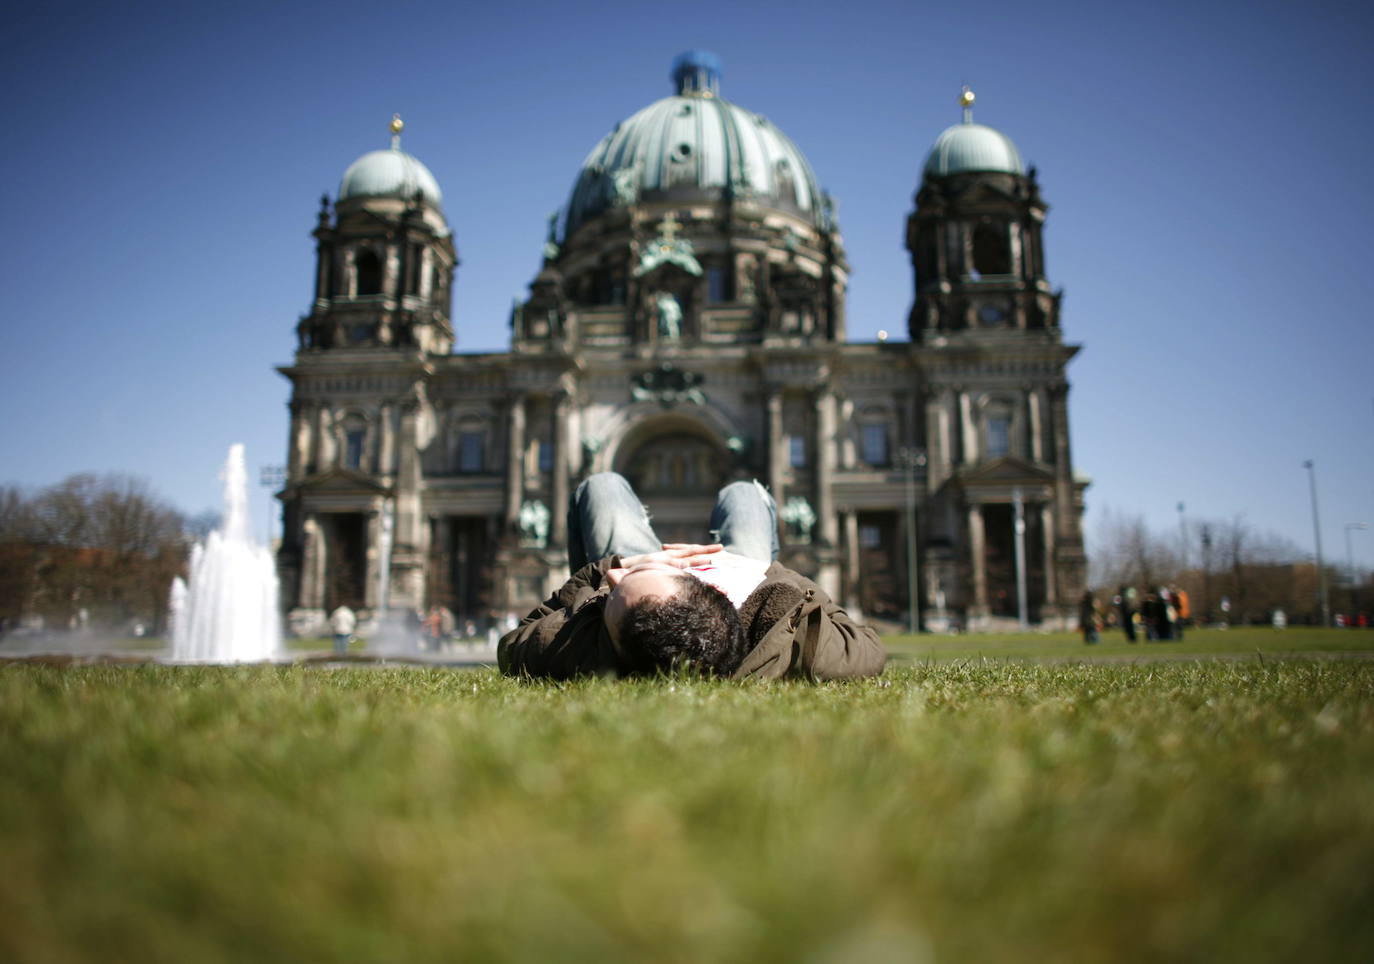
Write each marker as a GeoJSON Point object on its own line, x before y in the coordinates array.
{"type": "Point", "coordinates": [793, 629]}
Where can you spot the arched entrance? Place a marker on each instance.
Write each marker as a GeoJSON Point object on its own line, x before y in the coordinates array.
{"type": "Point", "coordinates": [676, 466]}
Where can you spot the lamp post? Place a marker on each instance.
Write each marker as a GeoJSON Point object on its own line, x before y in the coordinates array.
{"type": "Point", "coordinates": [1317, 534]}
{"type": "Point", "coordinates": [910, 459]}
{"type": "Point", "coordinates": [1019, 527]}
{"type": "Point", "coordinates": [1207, 573]}
{"type": "Point", "coordinates": [271, 477]}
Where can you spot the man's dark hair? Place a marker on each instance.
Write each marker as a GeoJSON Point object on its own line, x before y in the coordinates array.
{"type": "Point", "coordinates": [695, 628]}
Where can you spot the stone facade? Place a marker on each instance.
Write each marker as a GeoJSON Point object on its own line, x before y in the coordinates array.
{"type": "Point", "coordinates": [687, 333]}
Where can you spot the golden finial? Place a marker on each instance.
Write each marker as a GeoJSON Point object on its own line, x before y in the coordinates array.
{"type": "Point", "coordinates": [397, 125]}
{"type": "Point", "coordinates": [966, 100]}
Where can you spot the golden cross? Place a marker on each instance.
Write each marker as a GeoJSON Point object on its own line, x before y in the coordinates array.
{"type": "Point", "coordinates": [669, 226]}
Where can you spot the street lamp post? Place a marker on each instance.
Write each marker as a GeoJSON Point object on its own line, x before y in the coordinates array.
{"type": "Point", "coordinates": [1317, 534]}
{"type": "Point", "coordinates": [271, 477]}
{"type": "Point", "coordinates": [1207, 573]}
{"type": "Point", "coordinates": [910, 459]}
{"type": "Point", "coordinates": [1020, 529]}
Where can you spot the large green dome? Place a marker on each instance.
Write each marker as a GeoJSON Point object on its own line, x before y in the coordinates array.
{"type": "Point", "coordinates": [694, 145]}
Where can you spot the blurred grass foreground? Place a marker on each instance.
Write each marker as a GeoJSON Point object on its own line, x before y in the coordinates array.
{"type": "Point", "coordinates": [954, 810]}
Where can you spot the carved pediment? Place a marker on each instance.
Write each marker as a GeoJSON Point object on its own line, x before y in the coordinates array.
{"type": "Point", "coordinates": [1005, 470]}
{"type": "Point", "coordinates": [340, 480]}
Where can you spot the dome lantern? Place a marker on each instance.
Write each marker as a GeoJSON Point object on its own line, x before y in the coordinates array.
{"type": "Point", "coordinates": [696, 72]}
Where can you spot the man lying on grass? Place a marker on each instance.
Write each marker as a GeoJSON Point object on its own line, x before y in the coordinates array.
{"type": "Point", "coordinates": [636, 606]}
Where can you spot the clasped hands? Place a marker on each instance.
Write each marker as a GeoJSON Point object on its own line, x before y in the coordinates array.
{"type": "Point", "coordinates": [679, 555]}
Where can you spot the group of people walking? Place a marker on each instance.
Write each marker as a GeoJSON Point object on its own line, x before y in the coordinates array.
{"type": "Point", "coordinates": [1160, 614]}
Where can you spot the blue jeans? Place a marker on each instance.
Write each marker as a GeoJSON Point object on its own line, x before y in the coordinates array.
{"type": "Point", "coordinates": [606, 518]}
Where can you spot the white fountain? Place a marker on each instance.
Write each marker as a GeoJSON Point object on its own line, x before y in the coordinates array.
{"type": "Point", "coordinates": [227, 613]}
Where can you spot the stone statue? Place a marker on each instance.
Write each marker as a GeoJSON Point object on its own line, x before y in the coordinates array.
{"type": "Point", "coordinates": [744, 280]}
{"type": "Point", "coordinates": [668, 386]}
{"type": "Point", "coordinates": [551, 242]}
{"type": "Point", "coordinates": [799, 517]}
{"type": "Point", "coordinates": [623, 187]}
{"type": "Point", "coordinates": [534, 524]}
{"type": "Point", "coordinates": [669, 314]}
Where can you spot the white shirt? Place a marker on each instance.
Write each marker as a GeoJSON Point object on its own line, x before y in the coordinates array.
{"type": "Point", "coordinates": [342, 621]}
{"type": "Point", "coordinates": [736, 576]}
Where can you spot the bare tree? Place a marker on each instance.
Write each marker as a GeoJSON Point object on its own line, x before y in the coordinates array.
{"type": "Point", "coordinates": [1124, 552]}
{"type": "Point", "coordinates": [102, 547]}
{"type": "Point", "coordinates": [1257, 572]}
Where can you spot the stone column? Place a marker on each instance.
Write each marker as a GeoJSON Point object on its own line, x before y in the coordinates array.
{"type": "Point", "coordinates": [851, 567]}
{"type": "Point", "coordinates": [324, 437]}
{"type": "Point", "coordinates": [969, 431]}
{"type": "Point", "coordinates": [515, 461]}
{"type": "Point", "coordinates": [558, 524]}
{"type": "Point", "coordinates": [937, 451]}
{"type": "Point", "coordinates": [847, 459]}
{"type": "Point", "coordinates": [1018, 267]}
{"type": "Point", "coordinates": [827, 523]}
{"type": "Point", "coordinates": [777, 457]}
{"type": "Point", "coordinates": [977, 550]}
{"type": "Point", "coordinates": [1063, 459]}
{"type": "Point", "coordinates": [949, 422]}
{"type": "Point", "coordinates": [1036, 404]}
{"type": "Point", "coordinates": [423, 282]}
{"type": "Point", "coordinates": [391, 271]}
{"type": "Point", "coordinates": [373, 555]}
{"type": "Point", "coordinates": [1047, 530]}
{"type": "Point", "coordinates": [408, 522]}
{"type": "Point", "coordinates": [312, 564]}
{"type": "Point", "coordinates": [386, 450]}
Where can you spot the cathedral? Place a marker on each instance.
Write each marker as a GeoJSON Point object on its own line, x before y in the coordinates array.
{"type": "Point", "coordinates": [687, 328]}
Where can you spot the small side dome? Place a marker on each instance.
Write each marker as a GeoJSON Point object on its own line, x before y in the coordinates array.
{"type": "Point", "coordinates": [965, 148]}
{"type": "Point", "coordinates": [390, 173]}
{"type": "Point", "coordinates": [972, 148]}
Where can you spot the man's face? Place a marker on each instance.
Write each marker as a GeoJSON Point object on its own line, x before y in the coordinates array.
{"type": "Point", "coordinates": [647, 580]}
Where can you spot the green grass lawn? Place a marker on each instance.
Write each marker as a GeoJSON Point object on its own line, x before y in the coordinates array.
{"type": "Point", "coordinates": [965, 810]}
{"type": "Point", "coordinates": [1113, 646]}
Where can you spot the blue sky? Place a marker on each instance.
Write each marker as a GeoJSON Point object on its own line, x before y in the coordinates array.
{"type": "Point", "coordinates": [1206, 167]}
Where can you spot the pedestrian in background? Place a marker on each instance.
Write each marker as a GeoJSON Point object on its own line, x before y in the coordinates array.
{"type": "Point", "coordinates": [342, 622]}
{"type": "Point", "coordinates": [1089, 619]}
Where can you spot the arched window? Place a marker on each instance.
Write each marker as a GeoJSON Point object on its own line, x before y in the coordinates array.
{"type": "Point", "coordinates": [991, 248]}
{"type": "Point", "coordinates": [369, 269]}
{"type": "Point", "coordinates": [471, 454]}
{"type": "Point", "coordinates": [354, 447]}
{"type": "Point", "coordinates": [999, 436]}
{"type": "Point", "coordinates": [1001, 427]}
{"type": "Point", "coordinates": [873, 443]}
{"type": "Point", "coordinates": [719, 282]}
